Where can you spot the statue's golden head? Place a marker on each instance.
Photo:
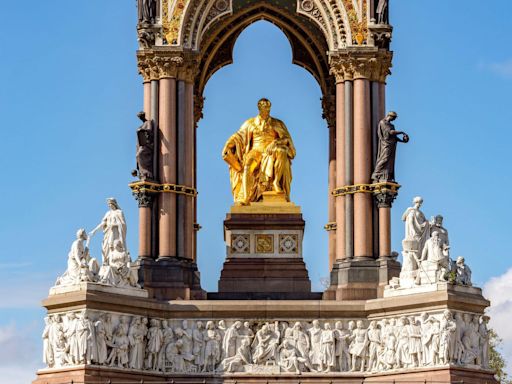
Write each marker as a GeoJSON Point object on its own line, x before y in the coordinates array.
{"type": "Point", "coordinates": [264, 106]}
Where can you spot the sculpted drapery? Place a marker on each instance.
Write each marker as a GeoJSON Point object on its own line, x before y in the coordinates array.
{"type": "Point", "coordinates": [259, 155]}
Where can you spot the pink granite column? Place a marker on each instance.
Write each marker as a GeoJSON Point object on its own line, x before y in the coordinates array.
{"type": "Point", "coordinates": [340, 171]}
{"type": "Point", "coordinates": [167, 167]}
{"type": "Point", "coordinates": [189, 165]}
{"type": "Point", "coordinates": [384, 231]}
{"type": "Point", "coordinates": [331, 200]}
{"type": "Point", "coordinates": [363, 241]}
{"type": "Point", "coordinates": [144, 209]}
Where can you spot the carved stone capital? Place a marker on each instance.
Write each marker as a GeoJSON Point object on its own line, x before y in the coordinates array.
{"type": "Point", "coordinates": [155, 65]}
{"type": "Point", "coordinates": [329, 110]}
{"type": "Point", "coordinates": [198, 108]}
{"type": "Point", "coordinates": [373, 65]}
{"type": "Point", "coordinates": [143, 197]}
{"type": "Point", "coordinates": [385, 199]}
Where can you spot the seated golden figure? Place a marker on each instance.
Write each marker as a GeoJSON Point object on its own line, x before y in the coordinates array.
{"type": "Point", "coordinates": [259, 156]}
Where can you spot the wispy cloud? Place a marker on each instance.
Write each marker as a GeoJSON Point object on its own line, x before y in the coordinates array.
{"type": "Point", "coordinates": [19, 360]}
{"type": "Point", "coordinates": [15, 265]}
{"type": "Point", "coordinates": [503, 68]}
{"type": "Point", "coordinates": [499, 291]}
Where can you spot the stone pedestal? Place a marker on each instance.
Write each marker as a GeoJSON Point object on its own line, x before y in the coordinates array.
{"type": "Point", "coordinates": [264, 252]}
{"type": "Point", "coordinates": [170, 278]}
{"type": "Point", "coordinates": [354, 279]}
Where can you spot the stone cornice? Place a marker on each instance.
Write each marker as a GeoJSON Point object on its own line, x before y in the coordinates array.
{"type": "Point", "coordinates": [371, 64]}
{"type": "Point", "coordinates": [155, 65]}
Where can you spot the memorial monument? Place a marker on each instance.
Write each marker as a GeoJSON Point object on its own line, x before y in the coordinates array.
{"type": "Point", "coordinates": [147, 318]}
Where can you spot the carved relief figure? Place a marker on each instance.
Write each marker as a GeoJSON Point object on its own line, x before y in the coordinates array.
{"type": "Point", "coordinates": [212, 347]}
{"type": "Point", "coordinates": [101, 340]}
{"type": "Point", "coordinates": [315, 335]}
{"type": "Point", "coordinates": [198, 344]}
{"type": "Point", "coordinates": [359, 347]}
{"type": "Point", "coordinates": [155, 342]}
{"type": "Point", "coordinates": [242, 357]}
{"type": "Point", "coordinates": [136, 342]}
{"type": "Point", "coordinates": [327, 349]}
{"type": "Point", "coordinates": [388, 138]}
{"type": "Point", "coordinates": [447, 327]}
{"type": "Point", "coordinates": [374, 344]}
{"type": "Point", "coordinates": [265, 344]}
{"type": "Point", "coordinates": [259, 155]}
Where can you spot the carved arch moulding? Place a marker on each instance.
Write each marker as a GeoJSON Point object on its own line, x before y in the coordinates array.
{"type": "Point", "coordinates": [202, 33]}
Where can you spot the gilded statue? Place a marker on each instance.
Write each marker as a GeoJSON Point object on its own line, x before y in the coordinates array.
{"type": "Point", "coordinates": [259, 156]}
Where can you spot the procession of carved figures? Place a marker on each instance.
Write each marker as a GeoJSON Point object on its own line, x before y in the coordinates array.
{"type": "Point", "coordinates": [426, 252]}
{"type": "Point", "coordinates": [116, 269]}
{"type": "Point", "coordinates": [195, 346]}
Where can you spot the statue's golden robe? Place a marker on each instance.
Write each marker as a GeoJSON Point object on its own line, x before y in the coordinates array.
{"type": "Point", "coordinates": [261, 150]}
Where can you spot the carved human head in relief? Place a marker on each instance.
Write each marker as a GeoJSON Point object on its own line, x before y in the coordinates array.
{"type": "Point", "coordinates": [264, 107]}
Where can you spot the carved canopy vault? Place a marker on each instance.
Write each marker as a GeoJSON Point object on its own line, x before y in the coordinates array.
{"type": "Point", "coordinates": [206, 31]}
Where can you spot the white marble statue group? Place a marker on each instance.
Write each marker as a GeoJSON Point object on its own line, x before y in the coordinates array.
{"type": "Point", "coordinates": [116, 269]}
{"type": "Point", "coordinates": [426, 252]}
{"type": "Point", "coordinates": [229, 346]}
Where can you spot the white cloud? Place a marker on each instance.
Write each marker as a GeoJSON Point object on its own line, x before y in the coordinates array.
{"type": "Point", "coordinates": [19, 360]}
{"type": "Point", "coordinates": [503, 68]}
{"type": "Point", "coordinates": [499, 291]}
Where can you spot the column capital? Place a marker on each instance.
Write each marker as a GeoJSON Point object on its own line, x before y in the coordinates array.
{"type": "Point", "coordinates": [155, 65]}
{"type": "Point", "coordinates": [329, 110]}
{"type": "Point", "coordinates": [370, 64]}
{"type": "Point", "coordinates": [143, 197]}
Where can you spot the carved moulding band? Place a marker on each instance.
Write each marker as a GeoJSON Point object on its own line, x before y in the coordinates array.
{"type": "Point", "coordinates": [332, 226]}
{"type": "Point", "coordinates": [147, 187]}
{"type": "Point", "coordinates": [377, 188]}
{"type": "Point", "coordinates": [372, 64]}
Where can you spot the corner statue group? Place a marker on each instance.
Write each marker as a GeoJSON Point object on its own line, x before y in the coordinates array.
{"type": "Point", "coordinates": [259, 156]}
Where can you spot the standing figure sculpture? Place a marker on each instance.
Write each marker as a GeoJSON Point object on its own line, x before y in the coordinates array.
{"type": "Point", "coordinates": [416, 234]}
{"type": "Point", "coordinates": [259, 155]}
{"type": "Point", "coordinates": [113, 225]}
{"type": "Point", "coordinates": [382, 12]}
{"type": "Point", "coordinates": [147, 11]}
{"type": "Point", "coordinates": [388, 138]}
{"type": "Point", "coordinates": [145, 149]}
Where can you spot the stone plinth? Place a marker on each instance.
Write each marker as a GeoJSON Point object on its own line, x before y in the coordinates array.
{"type": "Point", "coordinates": [264, 252]}
{"type": "Point", "coordinates": [170, 278]}
{"type": "Point", "coordinates": [223, 315]}
{"type": "Point", "coordinates": [95, 287]}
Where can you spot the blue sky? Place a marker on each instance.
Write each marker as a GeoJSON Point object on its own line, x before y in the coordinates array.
{"type": "Point", "coordinates": [70, 93]}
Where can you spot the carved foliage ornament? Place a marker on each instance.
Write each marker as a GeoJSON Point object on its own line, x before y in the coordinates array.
{"type": "Point", "coordinates": [349, 66]}
{"type": "Point", "coordinates": [156, 66]}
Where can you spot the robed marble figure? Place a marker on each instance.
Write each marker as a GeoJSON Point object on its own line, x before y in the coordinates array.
{"type": "Point", "coordinates": [259, 156]}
